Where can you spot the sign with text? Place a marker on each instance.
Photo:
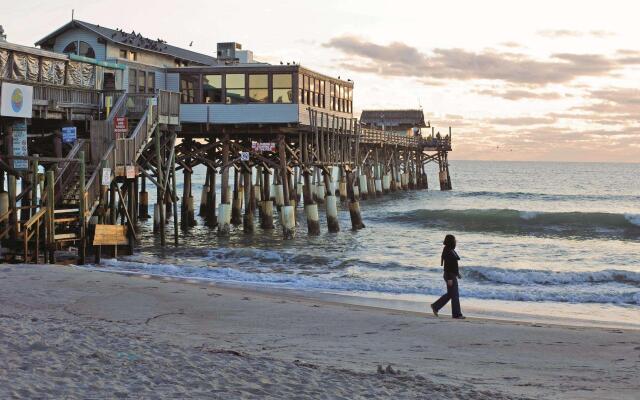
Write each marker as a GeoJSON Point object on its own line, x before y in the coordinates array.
{"type": "Point", "coordinates": [106, 177]}
{"type": "Point", "coordinates": [20, 144]}
{"type": "Point", "coordinates": [244, 156]}
{"type": "Point", "coordinates": [130, 171]}
{"type": "Point", "coordinates": [16, 100]}
{"type": "Point", "coordinates": [120, 126]}
{"type": "Point", "coordinates": [69, 134]}
{"type": "Point", "coordinates": [260, 146]}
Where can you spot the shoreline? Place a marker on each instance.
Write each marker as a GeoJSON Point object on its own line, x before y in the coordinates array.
{"type": "Point", "coordinates": [70, 331]}
{"type": "Point", "coordinates": [483, 309]}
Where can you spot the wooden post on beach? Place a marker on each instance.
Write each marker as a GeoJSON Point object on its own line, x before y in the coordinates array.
{"type": "Point", "coordinates": [161, 191]}
{"type": "Point", "coordinates": [331, 207]}
{"type": "Point", "coordinates": [354, 205]}
{"type": "Point", "coordinates": [287, 213]}
{"type": "Point", "coordinates": [174, 191]}
{"type": "Point", "coordinates": [82, 199]}
{"type": "Point", "coordinates": [143, 209]}
{"type": "Point", "coordinates": [247, 221]}
{"type": "Point", "coordinates": [224, 214]}
{"type": "Point", "coordinates": [51, 201]}
{"type": "Point", "coordinates": [13, 217]}
{"type": "Point", "coordinates": [236, 205]}
{"type": "Point", "coordinates": [266, 215]}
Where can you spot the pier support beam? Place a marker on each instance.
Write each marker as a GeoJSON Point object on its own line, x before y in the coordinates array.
{"type": "Point", "coordinates": [354, 205]}
{"type": "Point", "coordinates": [266, 213]}
{"type": "Point", "coordinates": [287, 211]}
{"type": "Point", "coordinates": [224, 211]}
{"type": "Point", "coordinates": [249, 199]}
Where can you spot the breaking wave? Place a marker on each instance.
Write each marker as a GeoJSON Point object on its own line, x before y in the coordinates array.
{"type": "Point", "coordinates": [579, 224]}
{"type": "Point", "coordinates": [609, 286]}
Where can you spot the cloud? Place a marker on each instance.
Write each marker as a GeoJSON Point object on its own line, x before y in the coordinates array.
{"type": "Point", "coordinates": [519, 94]}
{"type": "Point", "coordinates": [400, 59]}
{"type": "Point", "coordinates": [522, 121]}
{"type": "Point", "coordinates": [558, 33]}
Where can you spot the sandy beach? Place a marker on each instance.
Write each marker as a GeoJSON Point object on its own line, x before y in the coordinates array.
{"type": "Point", "coordinates": [68, 332]}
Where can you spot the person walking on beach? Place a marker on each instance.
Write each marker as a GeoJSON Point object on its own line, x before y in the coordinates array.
{"type": "Point", "coordinates": [449, 260]}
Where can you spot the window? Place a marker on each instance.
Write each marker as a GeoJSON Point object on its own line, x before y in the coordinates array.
{"type": "Point", "coordinates": [236, 88]}
{"type": "Point", "coordinates": [142, 80]}
{"type": "Point", "coordinates": [132, 80]}
{"type": "Point", "coordinates": [133, 56]}
{"type": "Point", "coordinates": [212, 88]}
{"type": "Point", "coordinates": [72, 48]}
{"type": "Point", "coordinates": [86, 50]}
{"type": "Point", "coordinates": [282, 88]}
{"type": "Point", "coordinates": [189, 85]}
{"type": "Point", "coordinates": [123, 54]}
{"type": "Point", "coordinates": [259, 88]}
{"type": "Point", "coordinates": [151, 82]}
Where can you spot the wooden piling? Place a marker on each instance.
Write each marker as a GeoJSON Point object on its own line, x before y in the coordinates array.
{"type": "Point", "coordinates": [247, 221]}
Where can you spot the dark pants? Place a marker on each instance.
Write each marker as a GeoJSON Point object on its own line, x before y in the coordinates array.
{"type": "Point", "coordinates": [452, 294]}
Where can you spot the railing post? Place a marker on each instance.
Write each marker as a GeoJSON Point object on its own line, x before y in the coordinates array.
{"type": "Point", "coordinates": [82, 197]}
{"type": "Point", "coordinates": [51, 240]}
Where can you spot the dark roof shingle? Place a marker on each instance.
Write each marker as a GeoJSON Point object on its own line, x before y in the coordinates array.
{"type": "Point", "coordinates": [136, 40]}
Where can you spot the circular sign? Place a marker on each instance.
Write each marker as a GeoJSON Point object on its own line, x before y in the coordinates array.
{"type": "Point", "coordinates": [17, 100]}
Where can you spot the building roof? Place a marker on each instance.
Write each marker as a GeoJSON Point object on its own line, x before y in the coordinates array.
{"type": "Point", "coordinates": [135, 40]}
{"type": "Point", "coordinates": [393, 118]}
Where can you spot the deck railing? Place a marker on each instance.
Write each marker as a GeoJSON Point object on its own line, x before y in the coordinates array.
{"type": "Point", "coordinates": [375, 136]}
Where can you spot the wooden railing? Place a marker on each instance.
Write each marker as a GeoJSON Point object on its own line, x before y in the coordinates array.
{"type": "Point", "coordinates": [378, 136]}
{"type": "Point", "coordinates": [32, 228]}
{"type": "Point", "coordinates": [169, 103]}
{"type": "Point", "coordinates": [68, 169]}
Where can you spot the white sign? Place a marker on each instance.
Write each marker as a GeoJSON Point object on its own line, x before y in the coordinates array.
{"type": "Point", "coordinates": [130, 171]}
{"type": "Point", "coordinates": [106, 177]}
{"type": "Point", "coordinates": [16, 100]}
{"type": "Point", "coordinates": [69, 134]}
{"type": "Point", "coordinates": [244, 156]}
{"type": "Point", "coordinates": [258, 146]}
{"type": "Point", "coordinates": [20, 144]}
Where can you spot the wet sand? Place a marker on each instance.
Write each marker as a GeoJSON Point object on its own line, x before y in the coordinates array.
{"type": "Point", "coordinates": [67, 332]}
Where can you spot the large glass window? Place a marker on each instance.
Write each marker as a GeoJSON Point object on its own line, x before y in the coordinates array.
{"type": "Point", "coordinates": [282, 88]}
{"type": "Point", "coordinates": [236, 88]}
{"type": "Point", "coordinates": [72, 48]}
{"type": "Point", "coordinates": [151, 82]}
{"type": "Point", "coordinates": [212, 88]}
{"type": "Point", "coordinates": [86, 50]}
{"type": "Point", "coordinates": [259, 88]}
{"type": "Point", "coordinates": [189, 85]}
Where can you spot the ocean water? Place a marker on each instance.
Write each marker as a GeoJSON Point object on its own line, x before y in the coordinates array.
{"type": "Point", "coordinates": [559, 238]}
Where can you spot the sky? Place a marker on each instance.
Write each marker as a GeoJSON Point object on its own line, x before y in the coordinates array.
{"type": "Point", "coordinates": [516, 80]}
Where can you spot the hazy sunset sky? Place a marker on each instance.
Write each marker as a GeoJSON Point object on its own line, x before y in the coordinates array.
{"type": "Point", "coordinates": [517, 80]}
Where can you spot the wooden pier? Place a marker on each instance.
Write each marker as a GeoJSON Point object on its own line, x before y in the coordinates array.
{"type": "Point", "coordinates": [92, 196]}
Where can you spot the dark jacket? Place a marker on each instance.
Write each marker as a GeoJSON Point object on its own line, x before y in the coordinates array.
{"type": "Point", "coordinates": [450, 261]}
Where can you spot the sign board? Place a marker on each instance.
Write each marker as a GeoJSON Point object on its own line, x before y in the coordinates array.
{"type": "Point", "coordinates": [106, 177]}
{"type": "Point", "coordinates": [244, 156]}
{"type": "Point", "coordinates": [20, 144]}
{"type": "Point", "coordinates": [120, 126]}
{"type": "Point", "coordinates": [69, 134]}
{"type": "Point", "coordinates": [16, 100]}
{"type": "Point", "coordinates": [259, 146]}
{"type": "Point", "coordinates": [153, 101]}
{"type": "Point", "coordinates": [130, 171]}
{"type": "Point", "coordinates": [110, 235]}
